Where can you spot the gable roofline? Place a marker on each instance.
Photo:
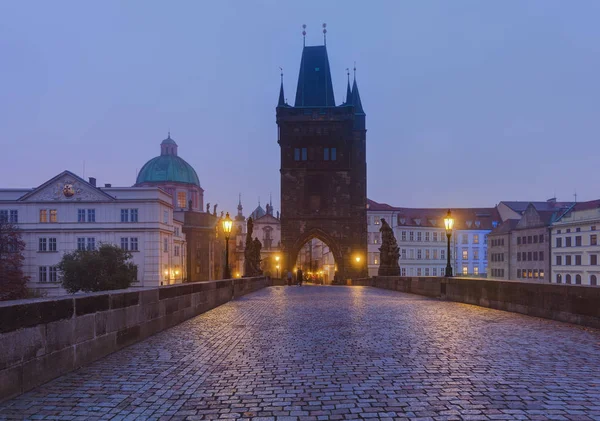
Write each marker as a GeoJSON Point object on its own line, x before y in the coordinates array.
{"type": "Point", "coordinates": [579, 206]}
{"type": "Point", "coordinates": [56, 177]}
{"type": "Point", "coordinates": [265, 217]}
{"type": "Point", "coordinates": [476, 219]}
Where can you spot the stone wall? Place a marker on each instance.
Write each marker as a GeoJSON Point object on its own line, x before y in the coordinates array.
{"type": "Point", "coordinates": [566, 303]}
{"type": "Point", "coordinates": [44, 338]}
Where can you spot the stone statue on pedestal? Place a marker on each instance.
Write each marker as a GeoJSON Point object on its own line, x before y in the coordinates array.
{"type": "Point", "coordinates": [252, 252]}
{"type": "Point", "coordinates": [389, 252]}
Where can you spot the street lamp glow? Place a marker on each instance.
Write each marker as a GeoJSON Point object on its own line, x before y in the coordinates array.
{"type": "Point", "coordinates": [448, 223]}
{"type": "Point", "coordinates": [227, 225]}
{"type": "Point", "coordinates": [277, 258]}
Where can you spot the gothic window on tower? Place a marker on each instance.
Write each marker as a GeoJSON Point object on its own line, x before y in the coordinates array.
{"type": "Point", "coordinates": [333, 154]}
{"type": "Point", "coordinates": [181, 199]}
{"type": "Point", "coordinates": [304, 154]}
{"type": "Point", "coordinates": [296, 154]}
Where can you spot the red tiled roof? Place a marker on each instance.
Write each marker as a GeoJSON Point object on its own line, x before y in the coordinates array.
{"type": "Point", "coordinates": [592, 204]}
{"type": "Point", "coordinates": [464, 218]}
{"type": "Point", "coordinates": [521, 206]}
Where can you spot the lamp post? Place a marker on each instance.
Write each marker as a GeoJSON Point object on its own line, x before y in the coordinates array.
{"type": "Point", "coordinates": [227, 225]}
{"type": "Point", "coordinates": [277, 266]}
{"type": "Point", "coordinates": [448, 223]}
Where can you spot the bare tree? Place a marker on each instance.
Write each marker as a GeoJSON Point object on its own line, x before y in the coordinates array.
{"type": "Point", "coordinates": [13, 282]}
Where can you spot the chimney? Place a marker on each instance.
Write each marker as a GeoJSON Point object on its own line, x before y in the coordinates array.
{"type": "Point", "coordinates": [107, 185]}
{"type": "Point", "coordinates": [92, 181]}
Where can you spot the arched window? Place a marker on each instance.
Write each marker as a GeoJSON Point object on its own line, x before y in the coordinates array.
{"type": "Point", "coordinates": [267, 237]}
{"type": "Point", "coordinates": [558, 278]}
{"type": "Point", "coordinates": [568, 279]}
{"type": "Point", "coordinates": [593, 280]}
{"type": "Point", "coordinates": [578, 279]}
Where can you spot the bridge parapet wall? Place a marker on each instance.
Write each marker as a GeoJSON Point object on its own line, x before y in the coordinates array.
{"type": "Point", "coordinates": [41, 339]}
{"type": "Point", "coordinates": [576, 304]}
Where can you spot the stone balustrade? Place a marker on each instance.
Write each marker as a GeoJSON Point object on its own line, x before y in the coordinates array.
{"type": "Point", "coordinates": [570, 303]}
{"type": "Point", "coordinates": [41, 339]}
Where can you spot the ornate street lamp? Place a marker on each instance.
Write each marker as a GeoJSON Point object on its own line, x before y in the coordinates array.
{"type": "Point", "coordinates": [277, 266]}
{"type": "Point", "coordinates": [227, 225]}
{"type": "Point", "coordinates": [449, 223]}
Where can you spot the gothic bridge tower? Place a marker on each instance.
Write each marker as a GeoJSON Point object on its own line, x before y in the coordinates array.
{"type": "Point", "coordinates": [323, 168]}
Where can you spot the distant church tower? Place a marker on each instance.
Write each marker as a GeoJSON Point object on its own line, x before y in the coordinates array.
{"type": "Point", "coordinates": [323, 168]}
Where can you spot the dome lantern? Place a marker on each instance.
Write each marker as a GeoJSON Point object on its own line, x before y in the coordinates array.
{"type": "Point", "coordinates": [168, 146]}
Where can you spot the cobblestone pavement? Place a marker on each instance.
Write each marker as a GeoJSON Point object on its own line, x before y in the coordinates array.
{"type": "Point", "coordinates": [321, 353]}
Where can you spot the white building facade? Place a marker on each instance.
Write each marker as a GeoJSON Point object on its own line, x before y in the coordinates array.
{"type": "Point", "coordinates": [68, 213]}
{"type": "Point", "coordinates": [422, 240]}
{"type": "Point", "coordinates": [574, 245]}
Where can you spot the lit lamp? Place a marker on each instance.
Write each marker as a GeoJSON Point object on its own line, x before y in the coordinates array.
{"type": "Point", "coordinates": [357, 258]}
{"type": "Point", "coordinates": [448, 223]}
{"type": "Point", "coordinates": [277, 266]}
{"type": "Point", "coordinates": [227, 225]}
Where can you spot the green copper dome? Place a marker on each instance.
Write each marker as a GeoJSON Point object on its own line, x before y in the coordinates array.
{"type": "Point", "coordinates": [168, 167]}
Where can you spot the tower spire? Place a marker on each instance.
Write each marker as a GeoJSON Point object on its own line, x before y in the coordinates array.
{"type": "Point", "coordinates": [348, 91]}
{"type": "Point", "coordinates": [281, 101]}
{"type": "Point", "coordinates": [324, 34]}
{"type": "Point", "coordinates": [358, 108]}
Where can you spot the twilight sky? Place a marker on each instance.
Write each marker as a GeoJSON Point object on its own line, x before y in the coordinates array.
{"type": "Point", "coordinates": [468, 103]}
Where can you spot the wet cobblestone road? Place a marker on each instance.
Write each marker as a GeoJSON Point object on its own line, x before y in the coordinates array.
{"type": "Point", "coordinates": [321, 353]}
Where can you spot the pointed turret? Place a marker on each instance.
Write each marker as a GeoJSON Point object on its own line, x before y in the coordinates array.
{"type": "Point", "coordinates": [359, 112]}
{"type": "Point", "coordinates": [314, 80]}
{"type": "Point", "coordinates": [240, 215]}
{"type": "Point", "coordinates": [358, 108]}
{"type": "Point", "coordinates": [348, 92]}
{"type": "Point", "coordinates": [281, 102]}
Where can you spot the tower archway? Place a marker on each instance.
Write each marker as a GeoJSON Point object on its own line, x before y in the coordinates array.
{"type": "Point", "coordinates": [318, 255]}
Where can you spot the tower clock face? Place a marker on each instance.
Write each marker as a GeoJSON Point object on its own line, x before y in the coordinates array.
{"type": "Point", "coordinates": [68, 190]}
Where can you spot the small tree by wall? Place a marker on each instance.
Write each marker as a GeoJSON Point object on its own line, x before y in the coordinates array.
{"type": "Point", "coordinates": [13, 283]}
{"type": "Point", "coordinates": [105, 268]}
